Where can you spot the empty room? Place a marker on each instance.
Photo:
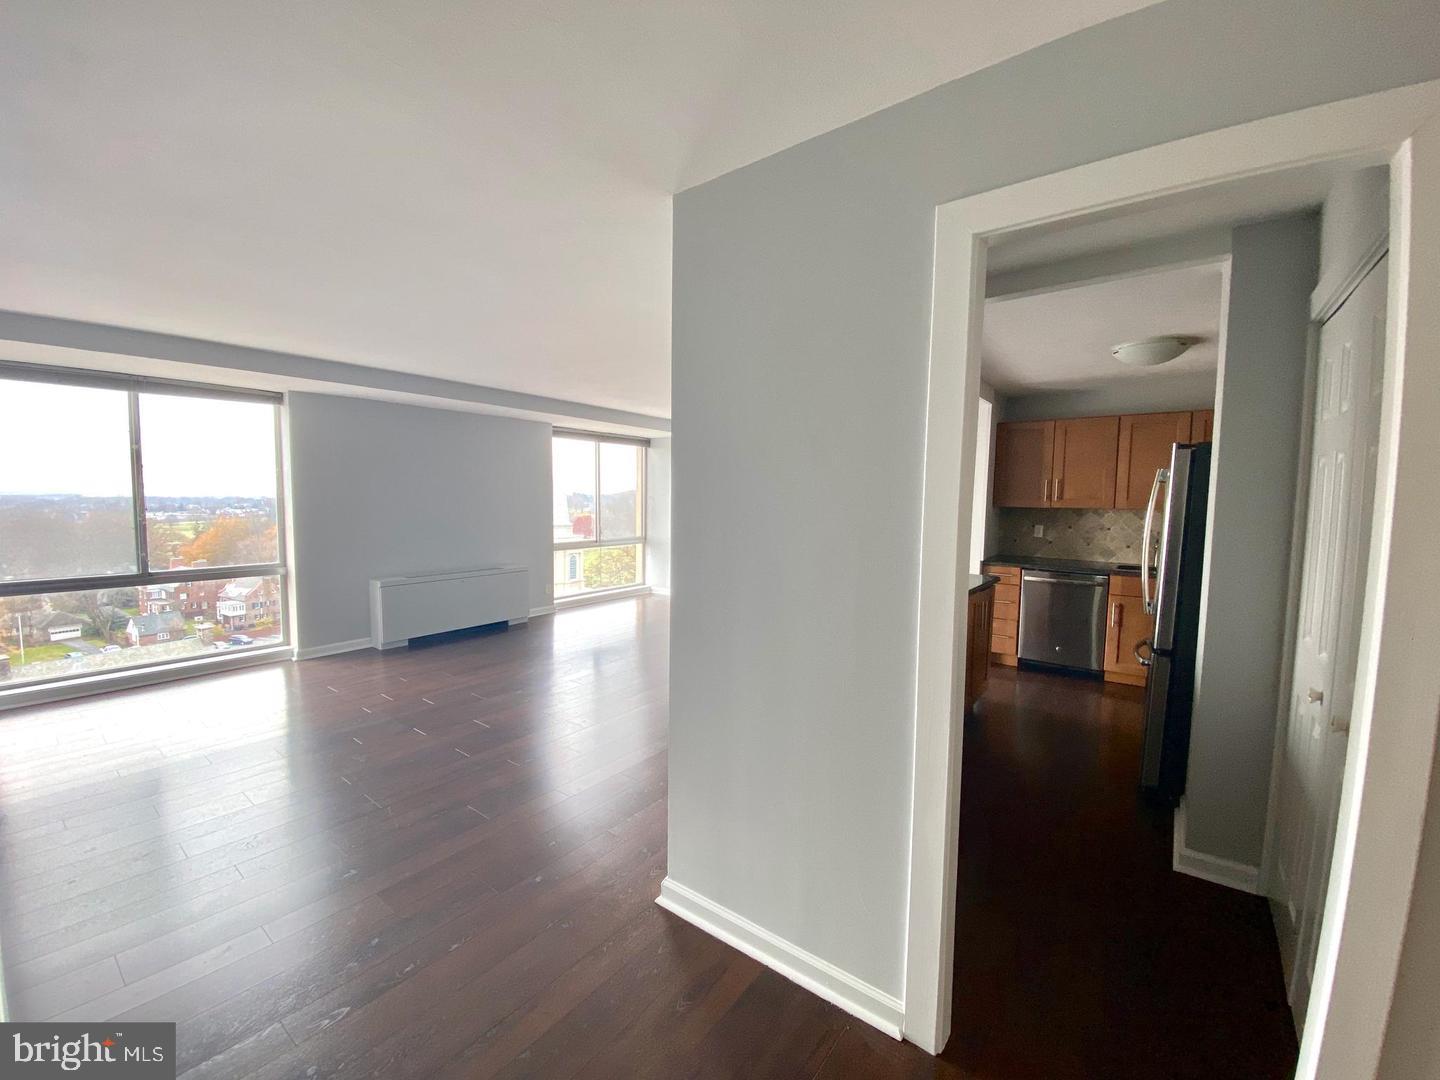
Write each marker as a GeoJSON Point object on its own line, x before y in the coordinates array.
{"type": "Point", "coordinates": [728, 540]}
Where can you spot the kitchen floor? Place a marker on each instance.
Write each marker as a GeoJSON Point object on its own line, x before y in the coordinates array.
{"type": "Point", "coordinates": [1079, 951]}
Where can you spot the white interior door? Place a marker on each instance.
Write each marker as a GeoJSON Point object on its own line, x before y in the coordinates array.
{"type": "Point", "coordinates": [1337, 539]}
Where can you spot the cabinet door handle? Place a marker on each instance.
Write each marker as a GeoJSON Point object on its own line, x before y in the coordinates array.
{"type": "Point", "coordinates": [1115, 614]}
{"type": "Point", "coordinates": [1059, 486]}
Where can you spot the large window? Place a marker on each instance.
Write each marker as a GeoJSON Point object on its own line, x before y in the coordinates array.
{"type": "Point", "coordinates": [599, 516]}
{"type": "Point", "coordinates": [140, 523]}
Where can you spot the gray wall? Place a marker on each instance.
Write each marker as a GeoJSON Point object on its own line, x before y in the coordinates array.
{"type": "Point", "coordinates": [1257, 451]}
{"type": "Point", "coordinates": [657, 514]}
{"type": "Point", "coordinates": [801, 319]}
{"type": "Point", "coordinates": [381, 489]}
{"type": "Point", "coordinates": [1356, 214]}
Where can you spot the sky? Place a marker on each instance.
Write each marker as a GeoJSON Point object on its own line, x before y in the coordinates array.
{"type": "Point", "coordinates": [76, 440]}
{"type": "Point", "coordinates": [573, 461]}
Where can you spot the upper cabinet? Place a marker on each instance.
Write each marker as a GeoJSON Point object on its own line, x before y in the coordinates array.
{"type": "Point", "coordinates": [1093, 462]}
{"type": "Point", "coordinates": [1024, 456]}
{"type": "Point", "coordinates": [1145, 442]}
{"type": "Point", "coordinates": [1084, 463]}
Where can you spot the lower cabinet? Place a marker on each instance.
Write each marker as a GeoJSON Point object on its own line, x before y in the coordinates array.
{"type": "Point", "coordinates": [1126, 626]}
{"type": "Point", "coordinates": [980, 613]}
{"type": "Point", "coordinates": [1005, 623]}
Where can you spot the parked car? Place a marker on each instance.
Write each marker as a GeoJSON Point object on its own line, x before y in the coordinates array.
{"type": "Point", "coordinates": [240, 639]}
{"type": "Point", "coordinates": [74, 656]}
{"type": "Point", "coordinates": [110, 648]}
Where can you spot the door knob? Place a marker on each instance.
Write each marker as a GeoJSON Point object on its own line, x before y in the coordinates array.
{"type": "Point", "coordinates": [1316, 697]}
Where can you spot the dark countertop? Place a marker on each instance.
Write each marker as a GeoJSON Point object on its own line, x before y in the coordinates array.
{"type": "Point", "coordinates": [1073, 566]}
{"type": "Point", "coordinates": [982, 581]}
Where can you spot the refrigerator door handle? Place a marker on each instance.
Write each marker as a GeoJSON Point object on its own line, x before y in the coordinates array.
{"type": "Point", "coordinates": [1147, 538]}
{"type": "Point", "coordinates": [1172, 526]}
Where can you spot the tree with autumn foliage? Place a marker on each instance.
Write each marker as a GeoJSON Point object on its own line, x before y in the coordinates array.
{"type": "Point", "coordinates": [233, 541]}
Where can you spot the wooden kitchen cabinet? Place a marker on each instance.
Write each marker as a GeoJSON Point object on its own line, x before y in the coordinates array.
{"type": "Point", "coordinates": [980, 610]}
{"type": "Point", "coordinates": [1084, 462]}
{"type": "Point", "coordinates": [1005, 618]}
{"type": "Point", "coordinates": [1144, 446]}
{"type": "Point", "coordinates": [1202, 425]}
{"type": "Point", "coordinates": [1091, 462]}
{"type": "Point", "coordinates": [1024, 458]}
{"type": "Point", "coordinates": [1126, 625]}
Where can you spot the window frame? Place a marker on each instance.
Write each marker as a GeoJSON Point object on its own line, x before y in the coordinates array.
{"type": "Point", "coordinates": [599, 542]}
{"type": "Point", "coordinates": [134, 386]}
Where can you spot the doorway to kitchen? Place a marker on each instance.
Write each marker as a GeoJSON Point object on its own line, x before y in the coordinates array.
{"type": "Point", "coordinates": [1065, 864]}
{"type": "Point", "coordinates": [1344, 141]}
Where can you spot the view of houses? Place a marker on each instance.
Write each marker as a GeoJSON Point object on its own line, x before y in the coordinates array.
{"type": "Point", "coordinates": [45, 536]}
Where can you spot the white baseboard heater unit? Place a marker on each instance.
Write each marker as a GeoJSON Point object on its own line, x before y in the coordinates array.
{"type": "Point", "coordinates": [402, 608]}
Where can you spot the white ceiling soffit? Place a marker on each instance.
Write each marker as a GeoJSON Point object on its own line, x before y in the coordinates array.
{"type": "Point", "coordinates": [472, 192]}
{"type": "Point", "coordinates": [37, 339]}
{"type": "Point", "coordinates": [1253, 198]}
{"type": "Point", "coordinates": [1061, 340]}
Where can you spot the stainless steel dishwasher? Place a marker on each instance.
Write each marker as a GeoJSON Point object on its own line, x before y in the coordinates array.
{"type": "Point", "coordinates": [1062, 618]}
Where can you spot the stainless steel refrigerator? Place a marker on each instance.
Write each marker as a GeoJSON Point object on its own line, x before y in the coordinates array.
{"type": "Point", "coordinates": [1171, 567]}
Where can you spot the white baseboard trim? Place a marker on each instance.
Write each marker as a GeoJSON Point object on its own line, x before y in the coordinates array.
{"type": "Point", "coordinates": [1212, 868]}
{"type": "Point", "coordinates": [316, 651]}
{"type": "Point", "coordinates": [820, 977]}
{"type": "Point", "coordinates": [548, 609]}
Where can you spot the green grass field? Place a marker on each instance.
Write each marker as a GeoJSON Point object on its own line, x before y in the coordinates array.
{"type": "Point", "coordinates": [53, 650]}
{"type": "Point", "coordinates": [35, 654]}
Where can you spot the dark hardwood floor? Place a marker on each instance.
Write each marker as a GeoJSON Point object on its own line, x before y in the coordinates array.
{"type": "Point", "coordinates": [443, 861]}
{"type": "Point", "coordinates": [1079, 951]}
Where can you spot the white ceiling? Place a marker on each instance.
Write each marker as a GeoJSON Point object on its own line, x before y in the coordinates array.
{"type": "Point", "coordinates": [1061, 340]}
{"type": "Point", "coordinates": [478, 192]}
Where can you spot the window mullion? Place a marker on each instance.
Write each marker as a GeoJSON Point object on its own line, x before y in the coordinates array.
{"type": "Point", "coordinates": [137, 484]}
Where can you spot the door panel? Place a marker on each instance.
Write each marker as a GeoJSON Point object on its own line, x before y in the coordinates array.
{"type": "Point", "coordinates": [1344, 455]}
{"type": "Point", "coordinates": [1024, 453]}
{"type": "Point", "coordinates": [1144, 446]}
{"type": "Point", "coordinates": [1126, 625]}
{"type": "Point", "coordinates": [1085, 462]}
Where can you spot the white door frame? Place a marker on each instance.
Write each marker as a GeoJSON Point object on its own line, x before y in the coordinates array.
{"type": "Point", "coordinates": [1380, 822]}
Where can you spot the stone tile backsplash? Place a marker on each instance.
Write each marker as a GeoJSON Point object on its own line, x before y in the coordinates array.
{"type": "Point", "coordinates": [1094, 535]}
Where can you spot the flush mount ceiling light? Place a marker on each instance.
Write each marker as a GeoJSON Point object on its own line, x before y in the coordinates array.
{"type": "Point", "coordinates": [1151, 351]}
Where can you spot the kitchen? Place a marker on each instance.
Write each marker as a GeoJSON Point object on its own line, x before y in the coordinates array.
{"type": "Point", "coordinates": [1078, 493]}
{"type": "Point", "coordinates": [1141, 742]}
{"type": "Point", "coordinates": [1103, 398]}
{"type": "Point", "coordinates": [1076, 599]}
